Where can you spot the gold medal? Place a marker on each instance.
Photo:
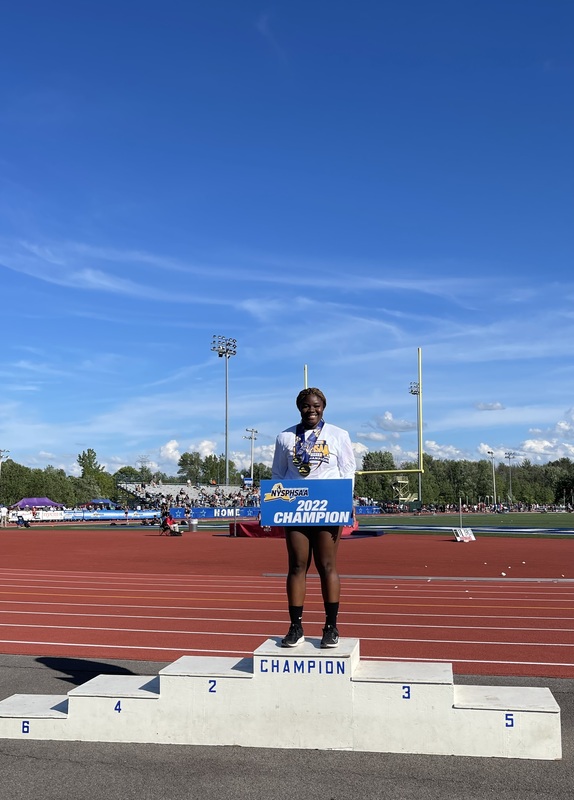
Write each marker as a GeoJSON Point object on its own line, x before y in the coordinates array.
{"type": "Point", "coordinates": [303, 449]}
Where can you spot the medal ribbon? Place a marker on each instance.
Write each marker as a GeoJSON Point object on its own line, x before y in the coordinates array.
{"type": "Point", "coordinates": [303, 448]}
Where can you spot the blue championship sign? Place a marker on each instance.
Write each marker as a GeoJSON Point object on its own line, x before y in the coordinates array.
{"type": "Point", "coordinates": [305, 502]}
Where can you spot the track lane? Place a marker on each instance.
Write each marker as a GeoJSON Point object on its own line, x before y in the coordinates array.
{"type": "Point", "coordinates": [413, 598]}
{"type": "Point", "coordinates": [410, 620]}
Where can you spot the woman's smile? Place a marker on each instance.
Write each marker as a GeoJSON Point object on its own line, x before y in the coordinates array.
{"type": "Point", "coordinates": [311, 411]}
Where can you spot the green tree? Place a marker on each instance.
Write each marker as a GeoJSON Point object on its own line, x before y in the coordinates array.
{"type": "Point", "coordinates": [36, 483]}
{"type": "Point", "coordinates": [145, 474]}
{"type": "Point", "coordinates": [88, 461]}
{"type": "Point", "coordinates": [432, 481]}
{"type": "Point", "coordinates": [158, 476]}
{"type": "Point", "coordinates": [377, 487]}
{"type": "Point", "coordinates": [235, 478]}
{"type": "Point", "coordinates": [126, 475]}
{"type": "Point", "coordinates": [57, 486]}
{"type": "Point", "coordinates": [483, 480]}
{"type": "Point", "coordinates": [190, 467]}
{"type": "Point", "coordinates": [213, 469]}
{"type": "Point", "coordinates": [15, 481]}
{"type": "Point", "coordinates": [460, 484]}
{"type": "Point", "coordinates": [261, 472]}
{"type": "Point", "coordinates": [85, 489]}
{"type": "Point", "coordinates": [103, 483]}
{"type": "Point", "coordinates": [561, 473]}
{"type": "Point", "coordinates": [107, 485]}
{"type": "Point", "coordinates": [430, 490]}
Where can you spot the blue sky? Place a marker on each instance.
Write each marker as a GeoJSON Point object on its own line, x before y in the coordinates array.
{"type": "Point", "coordinates": [332, 184]}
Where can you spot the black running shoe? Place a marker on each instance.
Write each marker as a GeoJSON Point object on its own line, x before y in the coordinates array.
{"type": "Point", "coordinates": [294, 637]}
{"type": "Point", "coordinates": [330, 637]}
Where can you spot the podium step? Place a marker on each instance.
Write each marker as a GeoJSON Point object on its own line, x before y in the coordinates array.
{"type": "Point", "coordinates": [301, 697]}
{"type": "Point", "coordinates": [404, 672]}
{"type": "Point", "coordinates": [35, 706]}
{"type": "Point", "coordinates": [140, 686]}
{"type": "Point", "coordinates": [500, 698]}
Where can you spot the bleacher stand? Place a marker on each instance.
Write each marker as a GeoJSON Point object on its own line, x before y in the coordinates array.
{"type": "Point", "coordinates": [156, 496]}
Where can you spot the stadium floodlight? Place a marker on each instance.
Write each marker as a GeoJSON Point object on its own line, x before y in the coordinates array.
{"type": "Point", "coordinates": [253, 437]}
{"type": "Point", "coordinates": [225, 348]}
{"type": "Point", "coordinates": [3, 457]}
{"type": "Point", "coordinates": [415, 389]}
{"type": "Point", "coordinates": [491, 454]}
{"type": "Point", "coordinates": [509, 455]}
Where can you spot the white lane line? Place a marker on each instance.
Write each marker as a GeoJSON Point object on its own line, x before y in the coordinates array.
{"type": "Point", "coordinates": [55, 574]}
{"type": "Point", "coordinates": [257, 592]}
{"type": "Point", "coordinates": [130, 589]}
{"type": "Point", "coordinates": [121, 647]}
{"type": "Point", "coordinates": [154, 631]}
{"type": "Point", "coordinates": [472, 661]}
{"type": "Point", "coordinates": [107, 582]}
{"type": "Point", "coordinates": [391, 590]}
{"type": "Point", "coordinates": [238, 620]}
{"type": "Point", "coordinates": [167, 631]}
{"type": "Point", "coordinates": [430, 583]}
{"type": "Point", "coordinates": [464, 642]}
{"type": "Point", "coordinates": [386, 593]}
{"type": "Point", "coordinates": [257, 609]}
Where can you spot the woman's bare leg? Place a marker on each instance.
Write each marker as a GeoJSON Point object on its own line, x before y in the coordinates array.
{"type": "Point", "coordinates": [325, 546]}
{"type": "Point", "coordinates": [299, 553]}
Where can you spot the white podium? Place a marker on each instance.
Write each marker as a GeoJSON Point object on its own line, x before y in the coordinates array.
{"type": "Point", "coordinates": [302, 697]}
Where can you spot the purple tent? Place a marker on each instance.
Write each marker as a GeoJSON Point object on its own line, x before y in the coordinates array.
{"type": "Point", "coordinates": [36, 502]}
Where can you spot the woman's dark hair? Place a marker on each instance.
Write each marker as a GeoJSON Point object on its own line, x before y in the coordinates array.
{"type": "Point", "coordinates": [305, 393]}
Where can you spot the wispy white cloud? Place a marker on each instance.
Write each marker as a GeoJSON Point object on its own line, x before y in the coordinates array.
{"type": "Point", "coordinates": [341, 336]}
{"type": "Point", "coordinates": [372, 436]}
{"type": "Point", "coordinates": [460, 418]}
{"type": "Point", "coordinates": [388, 423]}
{"type": "Point", "coordinates": [40, 368]}
{"type": "Point", "coordinates": [85, 278]}
{"type": "Point", "coordinates": [447, 451]}
{"type": "Point", "coordinates": [71, 257]}
{"type": "Point", "coordinates": [563, 429]}
{"type": "Point", "coordinates": [484, 450]}
{"type": "Point", "coordinates": [543, 450]}
{"type": "Point", "coordinates": [263, 26]}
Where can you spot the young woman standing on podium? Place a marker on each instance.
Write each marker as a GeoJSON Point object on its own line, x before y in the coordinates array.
{"type": "Point", "coordinates": [313, 449]}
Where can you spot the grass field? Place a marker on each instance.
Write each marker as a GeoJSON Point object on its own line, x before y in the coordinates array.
{"type": "Point", "coordinates": [485, 524]}
{"type": "Point", "coordinates": [482, 524]}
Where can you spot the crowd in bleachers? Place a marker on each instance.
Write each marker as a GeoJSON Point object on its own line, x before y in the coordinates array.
{"type": "Point", "coordinates": [157, 495]}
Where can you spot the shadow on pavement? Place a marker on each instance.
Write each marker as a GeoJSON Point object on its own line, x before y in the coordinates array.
{"type": "Point", "coordinates": [81, 670]}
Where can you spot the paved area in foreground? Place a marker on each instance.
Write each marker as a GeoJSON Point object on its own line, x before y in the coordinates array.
{"type": "Point", "coordinates": [82, 771]}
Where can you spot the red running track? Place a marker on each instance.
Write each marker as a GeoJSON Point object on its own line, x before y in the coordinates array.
{"type": "Point", "coordinates": [494, 606]}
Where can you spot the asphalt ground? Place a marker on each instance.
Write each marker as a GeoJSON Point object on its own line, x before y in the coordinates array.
{"type": "Point", "coordinates": [50, 770]}
{"type": "Point", "coordinates": [79, 770]}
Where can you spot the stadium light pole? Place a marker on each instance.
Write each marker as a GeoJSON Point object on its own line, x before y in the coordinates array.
{"type": "Point", "coordinates": [253, 437]}
{"type": "Point", "coordinates": [415, 389]}
{"type": "Point", "coordinates": [509, 455]}
{"type": "Point", "coordinates": [225, 348]}
{"type": "Point", "coordinates": [3, 456]}
{"type": "Point", "coordinates": [491, 454]}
